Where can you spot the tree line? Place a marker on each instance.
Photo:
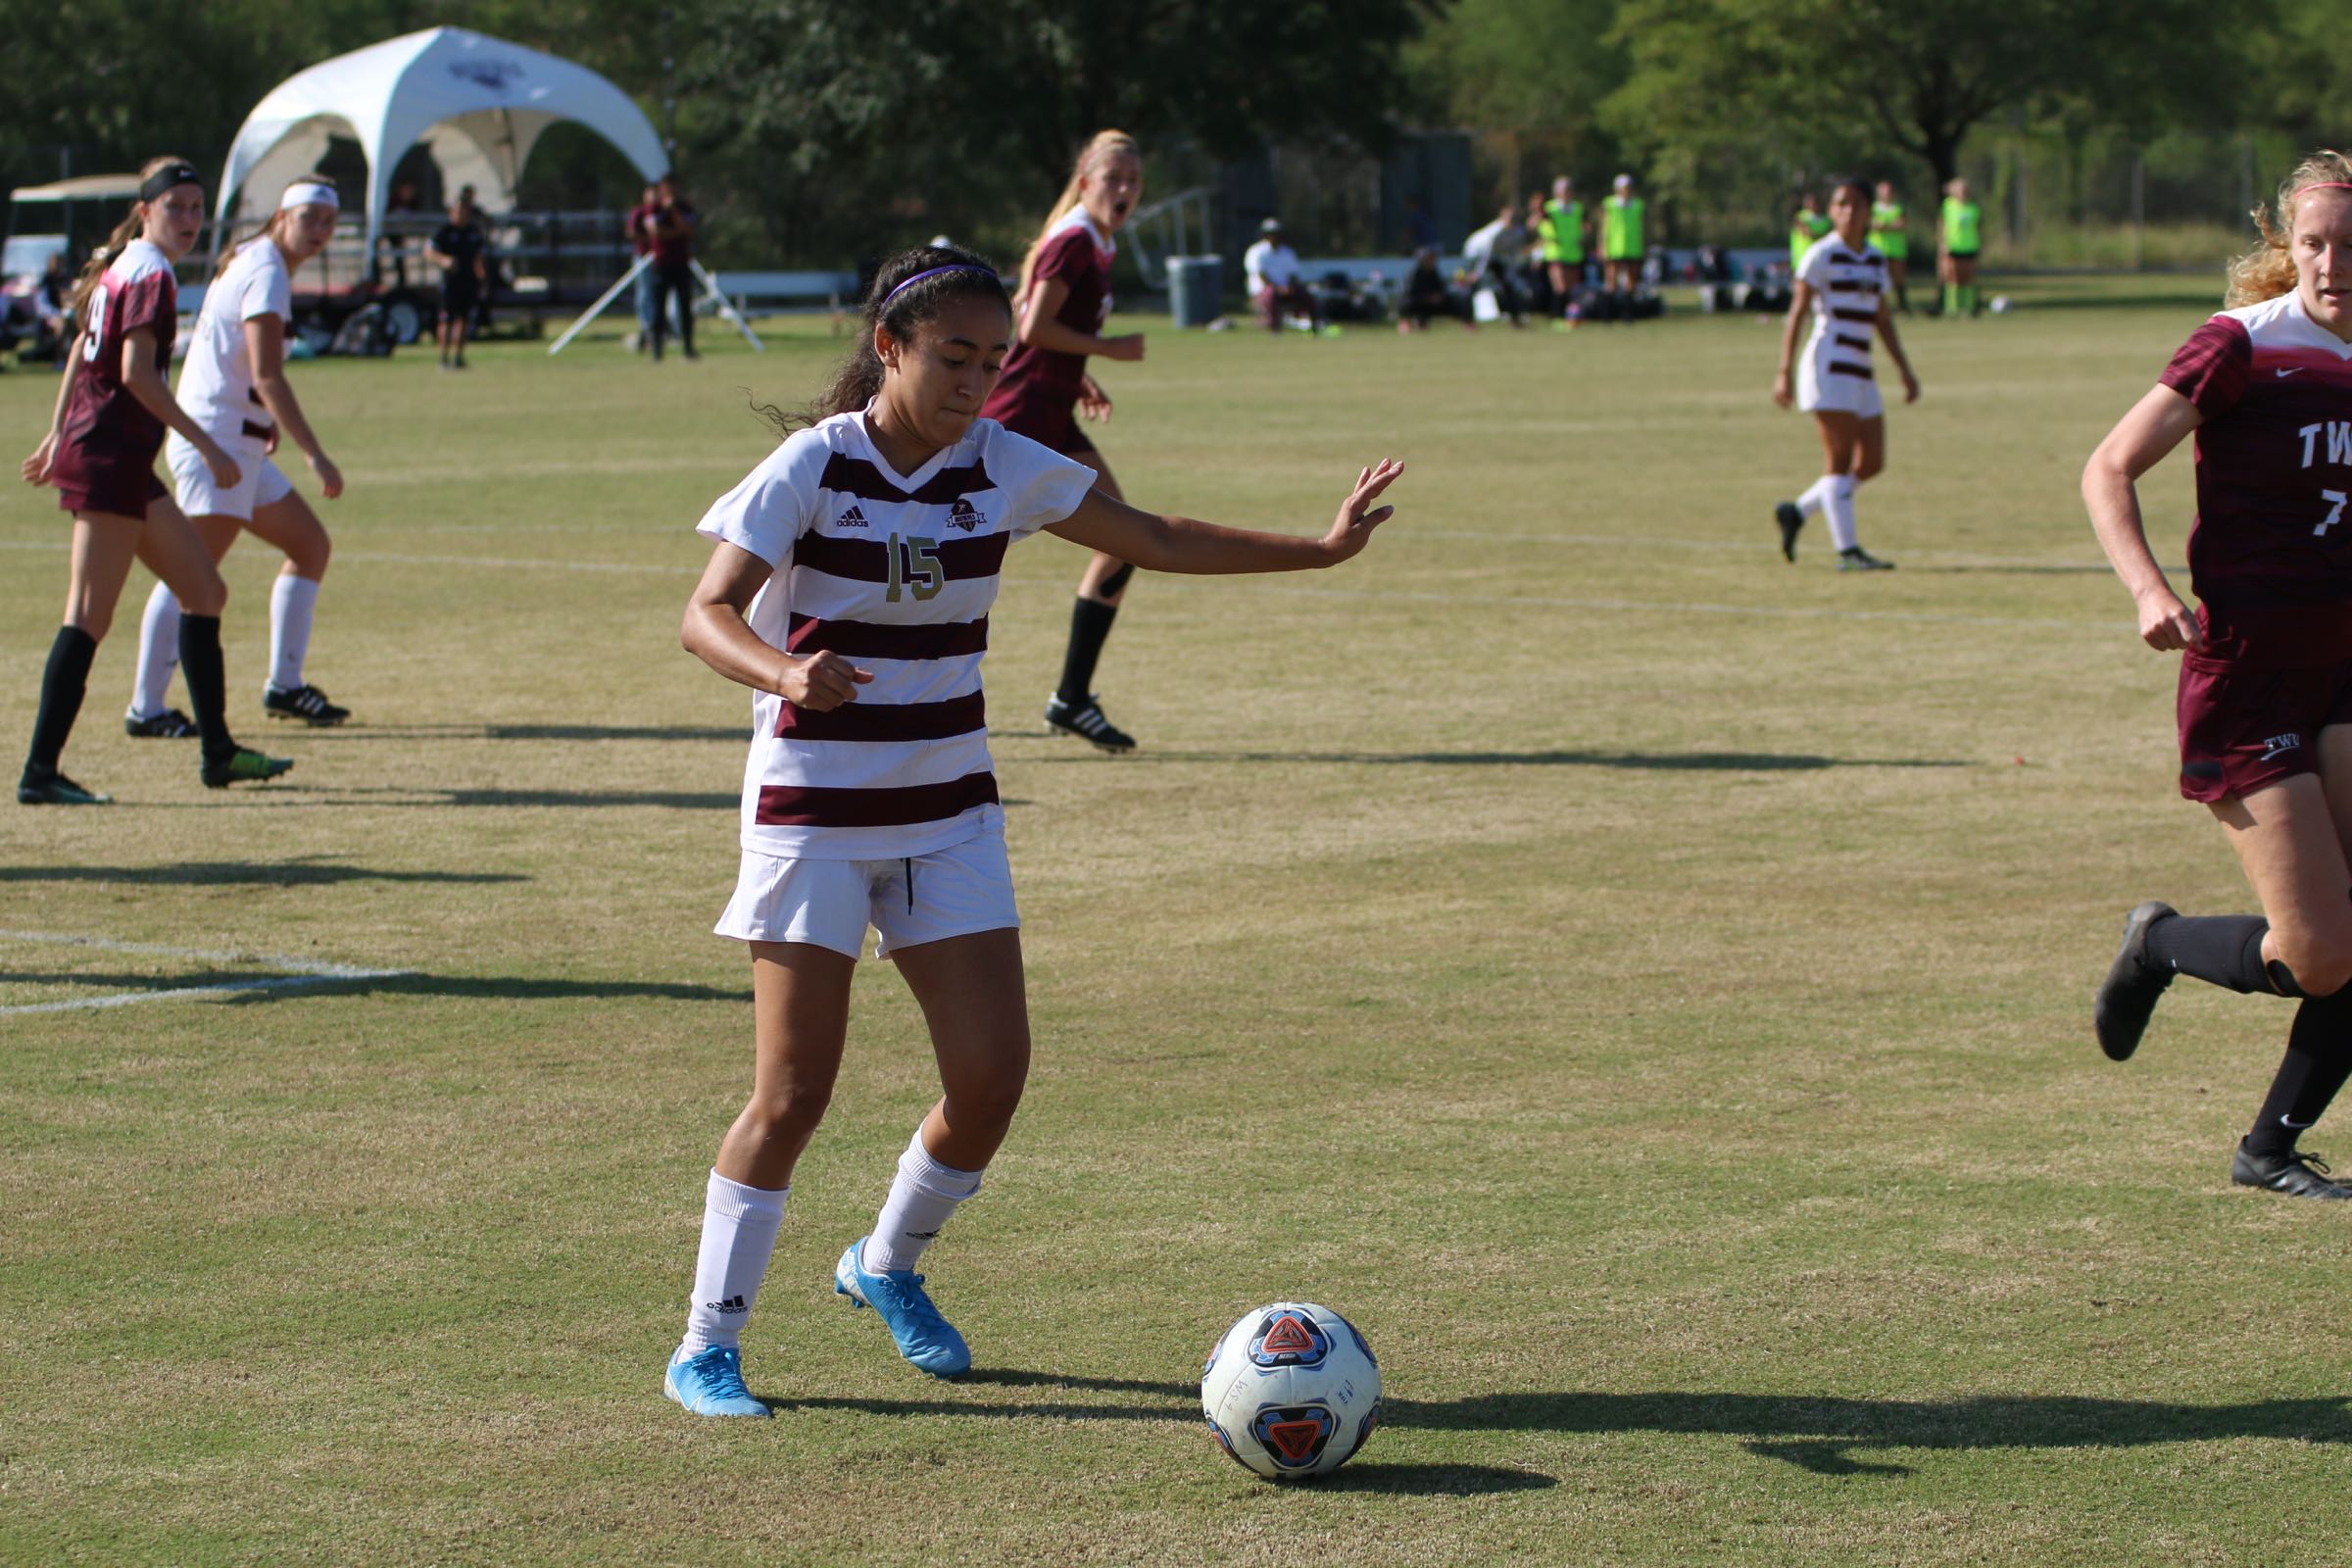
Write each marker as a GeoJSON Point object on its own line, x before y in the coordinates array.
{"type": "Point", "coordinates": [816, 129]}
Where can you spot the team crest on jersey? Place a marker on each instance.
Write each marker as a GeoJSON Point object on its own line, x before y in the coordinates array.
{"type": "Point", "coordinates": [1293, 1436]}
{"type": "Point", "coordinates": [1288, 1339]}
{"type": "Point", "coordinates": [851, 518]}
{"type": "Point", "coordinates": [964, 515]}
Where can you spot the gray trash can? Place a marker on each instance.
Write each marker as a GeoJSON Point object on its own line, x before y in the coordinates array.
{"type": "Point", "coordinates": [1196, 289]}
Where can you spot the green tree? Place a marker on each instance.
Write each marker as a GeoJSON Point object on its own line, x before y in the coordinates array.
{"type": "Point", "coordinates": [1917, 76]}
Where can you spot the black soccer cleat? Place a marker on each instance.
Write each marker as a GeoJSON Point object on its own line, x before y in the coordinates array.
{"type": "Point", "coordinates": [1086, 721]}
{"type": "Point", "coordinates": [243, 766]}
{"type": "Point", "coordinates": [2127, 998]}
{"type": "Point", "coordinates": [52, 788]}
{"type": "Point", "coordinates": [306, 702]}
{"type": "Point", "coordinates": [1790, 520]}
{"type": "Point", "coordinates": [169, 726]}
{"type": "Point", "coordinates": [2294, 1173]}
{"type": "Point", "coordinates": [1856, 559]}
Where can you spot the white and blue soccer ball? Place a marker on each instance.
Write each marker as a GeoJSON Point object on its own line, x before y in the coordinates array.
{"type": "Point", "coordinates": [1290, 1391]}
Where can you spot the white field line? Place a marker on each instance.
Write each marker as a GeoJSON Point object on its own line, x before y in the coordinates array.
{"type": "Point", "coordinates": [295, 972]}
{"type": "Point", "coordinates": [1485, 602]}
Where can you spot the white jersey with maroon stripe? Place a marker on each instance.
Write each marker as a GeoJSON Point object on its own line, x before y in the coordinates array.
{"type": "Point", "coordinates": [215, 383]}
{"type": "Point", "coordinates": [1847, 282]}
{"type": "Point", "coordinates": [895, 574]}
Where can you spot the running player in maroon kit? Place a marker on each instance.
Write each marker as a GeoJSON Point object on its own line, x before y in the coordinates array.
{"type": "Point", "coordinates": [1064, 301]}
{"type": "Point", "coordinates": [103, 434]}
{"type": "Point", "coordinates": [2265, 703]}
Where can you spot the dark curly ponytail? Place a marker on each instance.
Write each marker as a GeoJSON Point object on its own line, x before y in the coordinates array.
{"type": "Point", "coordinates": [900, 300]}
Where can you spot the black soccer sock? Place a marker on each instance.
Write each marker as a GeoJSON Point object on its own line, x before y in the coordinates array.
{"type": "Point", "coordinates": [1089, 625]}
{"type": "Point", "coordinates": [199, 661]}
{"type": "Point", "coordinates": [63, 683]}
{"type": "Point", "coordinates": [2319, 1059]}
{"type": "Point", "coordinates": [2223, 949]}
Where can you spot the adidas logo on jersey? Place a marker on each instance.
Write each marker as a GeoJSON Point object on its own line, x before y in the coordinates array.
{"type": "Point", "coordinates": [963, 514]}
{"type": "Point", "coordinates": [851, 518]}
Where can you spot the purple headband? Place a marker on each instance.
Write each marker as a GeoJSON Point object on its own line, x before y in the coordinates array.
{"type": "Point", "coordinates": [952, 266]}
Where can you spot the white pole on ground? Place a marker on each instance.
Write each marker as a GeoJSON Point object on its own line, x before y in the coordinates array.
{"type": "Point", "coordinates": [727, 310]}
{"type": "Point", "coordinates": [602, 300]}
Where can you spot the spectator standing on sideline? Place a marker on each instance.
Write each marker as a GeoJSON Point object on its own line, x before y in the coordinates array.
{"type": "Point", "coordinates": [1621, 246]}
{"type": "Point", "coordinates": [673, 265]}
{"type": "Point", "coordinates": [1564, 243]}
{"type": "Point", "coordinates": [1807, 225]}
{"type": "Point", "coordinates": [456, 248]}
{"type": "Point", "coordinates": [639, 226]}
{"type": "Point", "coordinates": [1887, 231]}
{"type": "Point", "coordinates": [1276, 286]}
{"type": "Point", "coordinates": [1963, 239]}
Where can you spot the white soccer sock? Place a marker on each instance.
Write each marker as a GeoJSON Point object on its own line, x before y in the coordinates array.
{"type": "Point", "coordinates": [291, 602]}
{"type": "Point", "coordinates": [158, 655]}
{"type": "Point", "coordinates": [1839, 504]}
{"type": "Point", "coordinates": [1815, 497]}
{"type": "Point", "coordinates": [923, 1195]}
{"type": "Point", "coordinates": [739, 1232]}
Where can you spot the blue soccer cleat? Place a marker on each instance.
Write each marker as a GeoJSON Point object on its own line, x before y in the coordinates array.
{"type": "Point", "coordinates": [710, 1382]}
{"type": "Point", "coordinates": [925, 1338]}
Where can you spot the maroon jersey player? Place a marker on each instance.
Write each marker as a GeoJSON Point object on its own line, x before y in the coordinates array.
{"type": "Point", "coordinates": [112, 412]}
{"type": "Point", "coordinates": [1064, 301]}
{"type": "Point", "coordinates": [2265, 707]}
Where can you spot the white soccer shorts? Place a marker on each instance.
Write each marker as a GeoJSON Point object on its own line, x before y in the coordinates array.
{"type": "Point", "coordinates": [1821, 390]}
{"type": "Point", "coordinates": [955, 892]}
{"type": "Point", "coordinates": [259, 482]}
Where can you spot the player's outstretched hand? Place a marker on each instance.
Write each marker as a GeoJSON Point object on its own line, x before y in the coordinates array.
{"type": "Point", "coordinates": [1784, 394]}
{"type": "Point", "coordinates": [330, 478]}
{"type": "Point", "coordinates": [37, 468]}
{"type": "Point", "coordinates": [1910, 385]}
{"type": "Point", "coordinates": [821, 682]}
{"type": "Point", "coordinates": [225, 473]}
{"type": "Point", "coordinates": [2166, 625]}
{"type": "Point", "coordinates": [1352, 528]}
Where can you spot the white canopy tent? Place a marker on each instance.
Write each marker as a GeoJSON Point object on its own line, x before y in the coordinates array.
{"type": "Point", "coordinates": [479, 104]}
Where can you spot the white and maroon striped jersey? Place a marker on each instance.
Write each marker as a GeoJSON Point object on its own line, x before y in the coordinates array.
{"type": "Point", "coordinates": [895, 574]}
{"type": "Point", "coordinates": [1846, 286]}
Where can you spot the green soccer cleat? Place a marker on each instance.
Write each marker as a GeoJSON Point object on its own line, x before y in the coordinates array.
{"type": "Point", "coordinates": [244, 765]}
{"type": "Point", "coordinates": [52, 788]}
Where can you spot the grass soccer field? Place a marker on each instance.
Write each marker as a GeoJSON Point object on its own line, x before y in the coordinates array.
{"type": "Point", "coordinates": [1644, 984]}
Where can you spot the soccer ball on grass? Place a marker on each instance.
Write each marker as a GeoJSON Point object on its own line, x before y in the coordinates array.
{"type": "Point", "coordinates": [1290, 1391]}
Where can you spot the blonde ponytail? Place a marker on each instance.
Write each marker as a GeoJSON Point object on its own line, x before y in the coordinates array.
{"type": "Point", "coordinates": [1105, 145]}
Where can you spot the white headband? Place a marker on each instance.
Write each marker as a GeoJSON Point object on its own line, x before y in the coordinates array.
{"type": "Point", "coordinates": [309, 193]}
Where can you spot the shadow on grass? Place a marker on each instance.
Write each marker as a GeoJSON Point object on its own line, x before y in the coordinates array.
{"type": "Point", "coordinates": [737, 734]}
{"type": "Point", "coordinates": [1825, 1436]}
{"type": "Point", "coordinates": [300, 873]}
{"type": "Point", "coordinates": [491, 988]}
{"type": "Point", "coordinates": [1657, 761]}
{"type": "Point", "coordinates": [1429, 1479]}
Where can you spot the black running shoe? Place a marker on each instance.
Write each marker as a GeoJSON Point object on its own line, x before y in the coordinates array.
{"type": "Point", "coordinates": [243, 766]}
{"type": "Point", "coordinates": [1790, 520]}
{"type": "Point", "coordinates": [2294, 1173]}
{"type": "Point", "coordinates": [1086, 721]}
{"type": "Point", "coordinates": [306, 702]}
{"type": "Point", "coordinates": [1857, 558]}
{"type": "Point", "coordinates": [2127, 998]}
{"type": "Point", "coordinates": [169, 726]}
{"type": "Point", "coordinates": [55, 789]}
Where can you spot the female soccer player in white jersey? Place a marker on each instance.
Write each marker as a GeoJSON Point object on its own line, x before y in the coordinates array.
{"type": "Point", "coordinates": [1841, 283]}
{"type": "Point", "coordinates": [113, 408]}
{"type": "Point", "coordinates": [848, 586]}
{"type": "Point", "coordinates": [2265, 703]}
{"type": "Point", "coordinates": [1064, 299]}
{"type": "Point", "coordinates": [234, 385]}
